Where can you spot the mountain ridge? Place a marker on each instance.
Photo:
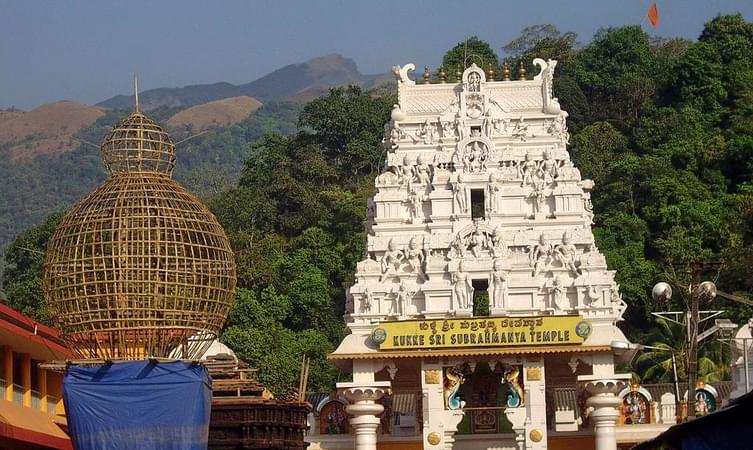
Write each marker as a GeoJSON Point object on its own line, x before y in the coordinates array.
{"type": "Point", "coordinates": [298, 81]}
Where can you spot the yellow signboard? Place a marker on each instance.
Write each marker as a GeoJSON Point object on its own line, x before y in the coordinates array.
{"type": "Point", "coordinates": [480, 332]}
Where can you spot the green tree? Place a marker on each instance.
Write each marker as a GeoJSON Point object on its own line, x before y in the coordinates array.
{"type": "Point", "coordinates": [472, 50]}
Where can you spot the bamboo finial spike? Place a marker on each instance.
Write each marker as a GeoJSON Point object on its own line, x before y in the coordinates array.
{"type": "Point", "coordinates": [136, 90]}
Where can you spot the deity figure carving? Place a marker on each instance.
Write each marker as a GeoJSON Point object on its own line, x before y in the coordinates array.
{"type": "Point", "coordinates": [498, 247]}
{"type": "Point", "coordinates": [462, 287]}
{"type": "Point", "coordinates": [415, 206]}
{"type": "Point", "coordinates": [475, 156]}
{"type": "Point", "coordinates": [520, 130]}
{"type": "Point", "coordinates": [567, 254]}
{"type": "Point", "coordinates": [592, 295]}
{"type": "Point", "coordinates": [568, 171]}
{"type": "Point", "coordinates": [515, 392]}
{"type": "Point", "coordinates": [541, 255]}
{"type": "Point", "coordinates": [501, 125]}
{"type": "Point", "coordinates": [474, 82]}
{"type": "Point", "coordinates": [558, 292]}
{"type": "Point", "coordinates": [367, 300]}
{"type": "Point", "coordinates": [527, 169]}
{"type": "Point", "coordinates": [539, 197]}
{"type": "Point", "coordinates": [387, 177]}
{"type": "Point", "coordinates": [447, 128]}
{"type": "Point", "coordinates": [426, 132]}
{"type": "Point", "coordinates": [403, 297]}
{"type": "Point", "coordinates": [460, 196]}
{"type": "Point", "coordinates": [396, 135]}
{"type": "Point", "coordinates": [477, 242]}
{"type": "Point", "coordinates": [460, 126]}
{"type": "Point", "coordinates": [548, 168]}
{"type": "Point", "coordinates": [558, 128]}
{"type": "Point", "coordinates": [422, 171]}
{"type": "Point", "coordinates": [453, 379]}
{"type": "Point", "coordinates": [458, 247]}
{"type": "Point", "coordinates": [492, 191]}
{"type": "Point", "coordinates": [498, 286]}
{"type": "Point", "coordinates": [588, 208]}
{"type": "Point", "coordinates": [635, 406]}
{"type": "Point", "coordinates": [391, 260]}
{"type": "Point", "coordinates": [487, 124]}
{"type": "Point", "coordinates": [406, 173]}
{"type": "Point", "coordinates": [415, 258]}
{"type": "Point", "coordinates": [591, 257]}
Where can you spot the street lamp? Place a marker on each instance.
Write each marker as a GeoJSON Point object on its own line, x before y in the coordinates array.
{"type": "Point", "coordinates": [705, 290]}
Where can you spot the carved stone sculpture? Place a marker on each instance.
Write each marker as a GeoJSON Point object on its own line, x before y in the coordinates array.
{"type": "Point", "coordinates": [422, 171]}
{"type": "Point", "coordinates": [477, 242]}
{"type": "Point", "coordinates": [415, 206]}
{"type": "Point", "coordinates": [548, 168]}
{"type": "Point", "coordinates": [426, 132]}
{"type": "Point", "coordinates": [403, 297]}
{"type": "Point", "coordinates": [460, 196]}
{"type": "Point", "coordinates": [558, 293]}
{"type": "Point", "coordinates": [492, 191]}
{"type": "Point", "coordinates": [498, 248]}
{"type": "Point", "coordinates": [391, 260]}
{"type": "Point", "coordinates": [539, 199]}
{"type": "Point", "coordinates": [366, 301]}
{"type": "Point", "coordinates": [541, 255]}
{"type": "Point", "coordinates": [462, 288]}
{"type": "Point", "coordinates": [415, 258]}
{"type": "Point", "coordinates": [566, 253]}
{"type": "Point", "coordinates": [520, 130]}
{"type": "Point", "coordinates": [498, 286]}
{"type": "Point", "coordinates": [458, 247]}
{"type": "Point", "coordinates": [460, 126]}
{"type": "Point", "coordinates": [527, 170]}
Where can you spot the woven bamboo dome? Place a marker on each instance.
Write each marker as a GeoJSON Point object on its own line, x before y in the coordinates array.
{"type": "Point", "coordinates": [139, 268]}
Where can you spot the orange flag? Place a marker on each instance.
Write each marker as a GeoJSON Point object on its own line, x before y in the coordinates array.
{"type": "Point", "coordinates": [653, 15]}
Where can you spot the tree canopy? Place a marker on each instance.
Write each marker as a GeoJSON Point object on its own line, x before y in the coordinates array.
{"type": "Point", "coordinates": [664, 127]}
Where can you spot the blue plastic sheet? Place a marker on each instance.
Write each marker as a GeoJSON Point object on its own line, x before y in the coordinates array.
{"type": "Point", "coordinates": [138, 405]}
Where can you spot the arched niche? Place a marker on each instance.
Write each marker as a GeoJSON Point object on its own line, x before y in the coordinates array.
{"type": "Point", "coordinates": [636, 406]}
{"type": "Point", "coordinates": [332, 417]}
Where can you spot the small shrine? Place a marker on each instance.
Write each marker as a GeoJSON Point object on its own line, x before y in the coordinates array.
{"type": "Point", "coordinates": [482, 293]}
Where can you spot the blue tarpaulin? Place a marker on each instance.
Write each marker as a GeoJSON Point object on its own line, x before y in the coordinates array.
{"type": "Point", "coordinates": [138, 405]}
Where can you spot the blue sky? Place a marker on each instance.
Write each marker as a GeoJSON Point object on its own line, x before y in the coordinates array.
{"type": "Point", "coordinates": [88, 50]}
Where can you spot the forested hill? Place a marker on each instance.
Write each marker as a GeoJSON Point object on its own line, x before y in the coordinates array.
{"type": "Point", "coordinates": [293, 82]}
{"type": "Point", "coordinates": [37, 184]}
{"type": "Point", "coordinates": [664, 127]}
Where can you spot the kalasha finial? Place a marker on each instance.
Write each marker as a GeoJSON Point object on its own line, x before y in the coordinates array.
{"type": "Point", "coordinates": [490, 73]}
{"type": "Point", "coordinates": [427, 75]}
{"type": "Point", "coordinates": [506, 72]}
{"type": "Point", "coordinates": [522, 71]}
{"type": "Point", "coordinates": [442, 75]}
{"type": "Point", "coordinates": [458, 74]}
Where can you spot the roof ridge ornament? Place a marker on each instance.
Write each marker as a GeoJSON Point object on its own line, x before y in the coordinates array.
{"type": "Point", "coordinates": [546, 76]}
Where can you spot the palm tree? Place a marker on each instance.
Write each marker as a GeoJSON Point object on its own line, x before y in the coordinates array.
{"type": "Point", "coordinates": [654, 365]}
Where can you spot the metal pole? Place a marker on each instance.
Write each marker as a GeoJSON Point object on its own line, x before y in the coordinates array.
{"type": "Point", "coordinates": [692, 348]}
{"type": "Point", "coordinates": [745, 363]}
{"type": "Point", "coordinates": [677, 386]}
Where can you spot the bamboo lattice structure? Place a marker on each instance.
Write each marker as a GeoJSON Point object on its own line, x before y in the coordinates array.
{"type": "Point", "coordinates": [139, 268]}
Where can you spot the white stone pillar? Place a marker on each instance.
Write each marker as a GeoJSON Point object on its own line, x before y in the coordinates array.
{"type": "Point", "coordinates": [440, 424]}
{"type": "Point", "coordinates": [605, 404]}
{"type": "Point", "coordinates": [364, 411]}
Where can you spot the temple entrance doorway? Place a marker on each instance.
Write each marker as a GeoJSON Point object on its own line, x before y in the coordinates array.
{"type": "Point", "coordinates": [485, 393]}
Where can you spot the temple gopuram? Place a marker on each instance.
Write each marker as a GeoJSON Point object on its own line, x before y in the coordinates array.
{"type": "Point", "coordinates": [483, 295]}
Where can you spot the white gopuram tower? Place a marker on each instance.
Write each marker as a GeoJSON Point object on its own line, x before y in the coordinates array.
{"type": "Point", "coordinates": [481, 205]}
